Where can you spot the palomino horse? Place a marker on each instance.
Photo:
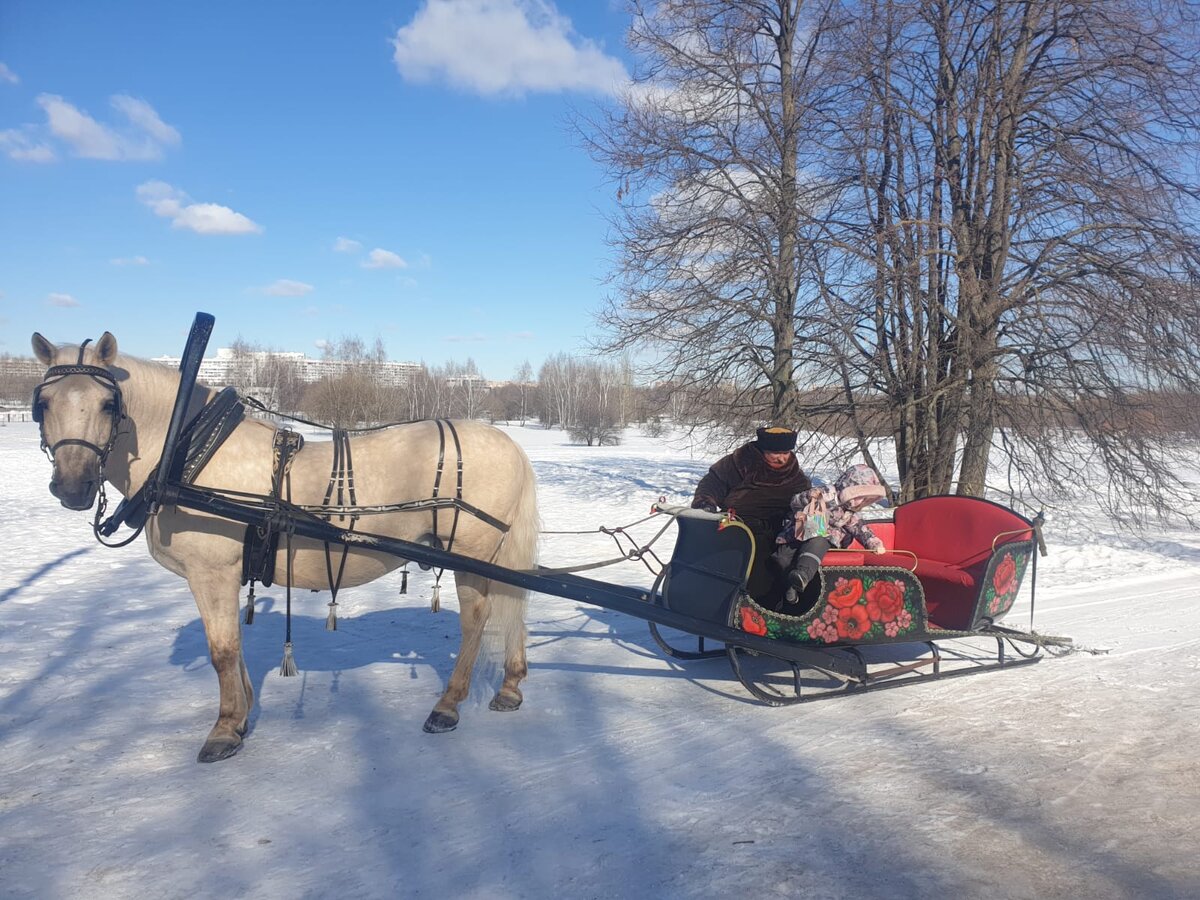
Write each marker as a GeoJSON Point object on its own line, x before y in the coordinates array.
{"type": "Point", "coordinates": [109, 423]}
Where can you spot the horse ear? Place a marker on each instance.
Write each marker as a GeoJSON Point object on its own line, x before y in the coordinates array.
{"type": "Point", "coordinates": [107, 348]}
{"type": "Point", "coordinates": [42, 349]}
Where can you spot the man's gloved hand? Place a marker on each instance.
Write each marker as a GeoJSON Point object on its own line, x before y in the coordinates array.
{"type": "Point", "coordinates": [706, 505]}
{"type": "Point", "coordinates": [878, 550]}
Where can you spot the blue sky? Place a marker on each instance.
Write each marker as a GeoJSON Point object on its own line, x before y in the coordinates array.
{"type": "Point", "coordinates": [305, 171]}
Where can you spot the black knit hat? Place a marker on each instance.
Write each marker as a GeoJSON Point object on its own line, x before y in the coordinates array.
{"type": "Point", "coordinates": [776, 439]}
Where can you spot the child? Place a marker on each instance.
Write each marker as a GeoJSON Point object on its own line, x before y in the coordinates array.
{"type": "Point", "coordinates": [825, 517]}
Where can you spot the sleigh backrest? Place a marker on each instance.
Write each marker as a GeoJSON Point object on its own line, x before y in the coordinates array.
{"type": "Point", "coordinates": [969, 574]}
{"type": "Point", "coordinates": [709, 566]}
{"type": "Point", "coordinates": [957, 531]}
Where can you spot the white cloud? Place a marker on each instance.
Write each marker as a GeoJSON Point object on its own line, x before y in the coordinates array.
{"type": "Point", "coordinates": [322, 344]}
{"type": "Point", "coordinates": [203, 218]}
{"type": "Point", "coordinates": [7, 74]}
{"type": "Point", "coordinates": [130, 261]}
{"type": "Point", "coordinates": [505, 47]}
{"type": "Point", "coordinates": [145, 137]}
{"type": "Point", "coordinates": [285, 287]}
{"type": "Point", "coordinates": [346, 245]}
{"type": "Point", "coordinates": [24, 145]}
{"type": "Point", "coordinates": [475, 338]}
{"type": "Point", "coordinates": [63, 300]}
{"type": "Point", "coordinates": [144, 117]}
{"type": "Point", "coordinates": [383, 259]}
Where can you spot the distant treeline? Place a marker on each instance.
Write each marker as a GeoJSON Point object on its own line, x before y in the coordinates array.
{"type": "Point", "coordinates": [593, 400]}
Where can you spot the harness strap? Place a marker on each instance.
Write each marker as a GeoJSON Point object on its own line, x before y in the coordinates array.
{"type": "Point", "coordinates": [341, 479]}
{"type": "Point", "coordinates": [198, 443]}
{"type": "Point", "coordinates": [205, 433]}
{"type": "Point", "coordinates": [456, 505]}
{"type": "Point", "coordinates": [458, 487]}
{"type": "Point", "coordinates": [262, 541]}
{"type": "Point", "coordinates": [437, 477]}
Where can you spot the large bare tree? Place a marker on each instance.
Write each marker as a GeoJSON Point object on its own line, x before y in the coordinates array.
{"type": "Point", "coordinates": [978, 219]}
{"type": "Point", "coordinates": [707, 147]}
{"type": "Point", "coordinates": [1016, 260]}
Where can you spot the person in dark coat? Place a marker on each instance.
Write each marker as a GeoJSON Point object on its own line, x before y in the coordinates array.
{"type": "Point", "coordinates": [757, 482]}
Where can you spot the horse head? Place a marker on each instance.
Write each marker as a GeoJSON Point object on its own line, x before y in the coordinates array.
{"type": "Point", "coordinates": [78, 407]}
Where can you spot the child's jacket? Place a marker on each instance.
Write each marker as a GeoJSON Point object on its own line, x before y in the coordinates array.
{"type": "Point", "coordinates": [844, 524]}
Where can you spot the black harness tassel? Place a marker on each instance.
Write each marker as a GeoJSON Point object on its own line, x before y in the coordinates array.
{"type": "Point", "coordinates": [288, 667]}
{"type": "Point", "coordinates": [250, 605]}
{"type": "Point", "coordinates": [404, 579]}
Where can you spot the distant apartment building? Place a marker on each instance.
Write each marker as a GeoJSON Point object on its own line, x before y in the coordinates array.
{"type": "Point", "coordinates": [21, 367]}
{"type": "Point", "coordinates": [18, 375]}
{"type": "Point", "coordinates": [228, 367]}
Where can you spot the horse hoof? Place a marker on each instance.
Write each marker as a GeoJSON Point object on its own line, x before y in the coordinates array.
{"type": "Point", "coordinates": [439, 722]}
{"type": "Point", "coordinates": [217, 749]}
{"type": "Point", "coordinates": [503, 702]}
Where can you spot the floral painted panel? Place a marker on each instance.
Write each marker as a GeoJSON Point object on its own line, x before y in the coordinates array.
{"type": "Point", "coordinates": [857, 605]}
{"type": "Point", "coordinates": [1002, 581]}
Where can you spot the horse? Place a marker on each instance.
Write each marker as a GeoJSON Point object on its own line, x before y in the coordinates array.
{"type": "Point", "coordinates": [104, 416]}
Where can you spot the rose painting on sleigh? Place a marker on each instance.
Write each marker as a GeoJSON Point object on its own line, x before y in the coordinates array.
{"type": "Point", "coordinates": [1001, 589]}
{"type": "Point", "coordinates": [863, 609]}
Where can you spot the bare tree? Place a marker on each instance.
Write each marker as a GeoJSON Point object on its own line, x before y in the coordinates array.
{"type": "Point", "coordinates": [707, 148]}
{"type": "Point", "coordinates": [594, 417]}
{"type": "Point", "coordinates": [504, 403]}
{"type": "Point", "coordinates": [979, 220]}
{"type": "Point", "coordinates": [1014, 262]}
{"type": "Point", "coordinates": [524, 380]}
{"type": "Point", "coordinates": [280, 376]}
{"type": "Point", "coordinates": [559, 388]}
{"type": "Point", "coordinates": [269, 375]}
{"type": "Point", "coordinates": [355, 394]}
{"type": "Point", "coordinates": [468, 388]}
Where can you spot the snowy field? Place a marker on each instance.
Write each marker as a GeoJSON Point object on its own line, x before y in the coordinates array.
{"type": "Point", "coordinates": [624, 774]}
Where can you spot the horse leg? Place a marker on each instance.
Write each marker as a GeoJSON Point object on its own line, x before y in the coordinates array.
{"type": "Point", "coordinates": [511, 613]}
{"type": "Point", "coordinates": [474, 607]}
{"type": "Point", "coordinates": [217, 600]}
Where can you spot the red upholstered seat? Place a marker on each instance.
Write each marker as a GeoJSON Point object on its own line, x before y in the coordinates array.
{"type": "Point", "coordinates": [844, 558]}
{"type": "Point", "coordinates": [856, 555]}
{"type": "Point", "coordinates": [947, 543]}
{"type": "Point", "coordinates": [885, 531]}
{"type": "Point", "coordinates": [953, 539]}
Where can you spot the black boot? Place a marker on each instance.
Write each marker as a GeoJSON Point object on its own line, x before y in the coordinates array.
{"type": "Point", "coordinates": [806, 567]}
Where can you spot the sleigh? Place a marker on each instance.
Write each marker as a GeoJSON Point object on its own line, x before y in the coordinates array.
{"type": "Point", "coordinates": [952, 571]}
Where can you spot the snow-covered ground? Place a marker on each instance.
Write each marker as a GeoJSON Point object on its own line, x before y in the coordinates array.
{"type": "Point", "coordinates": [625, 774]}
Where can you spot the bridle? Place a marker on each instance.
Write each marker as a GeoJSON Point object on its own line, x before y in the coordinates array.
{"type": "Point", "coordinates": [102, 377]}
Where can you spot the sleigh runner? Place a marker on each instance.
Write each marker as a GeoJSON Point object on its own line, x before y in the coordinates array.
{"type": "Point", "coordinates": [952, 569]}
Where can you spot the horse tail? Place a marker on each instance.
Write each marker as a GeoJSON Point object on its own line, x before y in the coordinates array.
{"type": "Point", "coordinates": [518, 550]}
